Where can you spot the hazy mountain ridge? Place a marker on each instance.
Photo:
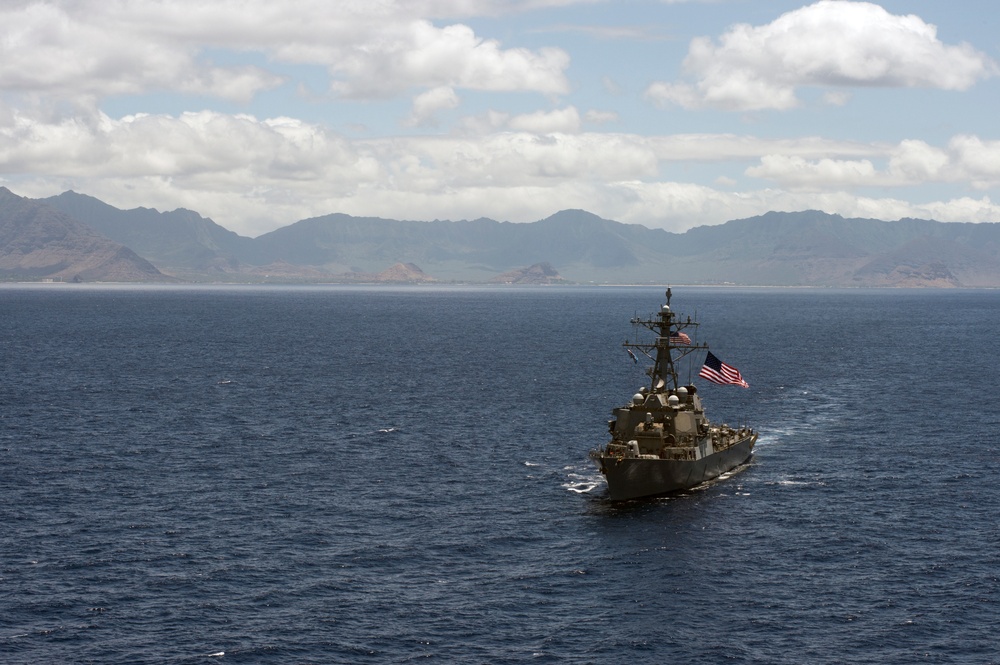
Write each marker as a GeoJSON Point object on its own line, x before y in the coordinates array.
{"type": "Point", "coordinates": [177, 239]}
{"type": "Point", "coordinates": [364, 242]}
{"type": "Point", "coordinates": [40, 242]}
{"type": "Point", "coordinates": [808, 248]}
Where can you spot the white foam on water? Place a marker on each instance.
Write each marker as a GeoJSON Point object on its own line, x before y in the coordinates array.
{"type": "Point", "coordinates": [582, 483]}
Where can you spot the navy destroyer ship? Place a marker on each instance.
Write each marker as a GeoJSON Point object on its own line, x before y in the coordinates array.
{"type": "Point", "coordinates": [662, 441]}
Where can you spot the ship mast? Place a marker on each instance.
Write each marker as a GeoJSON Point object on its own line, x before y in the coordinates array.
{"type": "Point", "coordinates": [670, 346]}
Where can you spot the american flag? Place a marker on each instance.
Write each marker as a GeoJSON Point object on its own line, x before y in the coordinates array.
{"type": "Point", "coordinates": [677, 337]}
{"type": "Point", "coordinates": [717, 371]}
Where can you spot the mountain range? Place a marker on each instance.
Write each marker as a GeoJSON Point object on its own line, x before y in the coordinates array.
{"type": "Point", "coordinates": [77, 237]}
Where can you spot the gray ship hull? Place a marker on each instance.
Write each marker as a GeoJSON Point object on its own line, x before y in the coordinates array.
{"type": "Point", "coordinates": [633, 477]}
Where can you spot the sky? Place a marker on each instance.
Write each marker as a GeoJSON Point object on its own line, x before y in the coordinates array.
{"type": "Point", "coordinates": [667, 113]}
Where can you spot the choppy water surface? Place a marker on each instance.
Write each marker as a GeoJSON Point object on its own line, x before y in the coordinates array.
{"type": "Point", "coordinates": [342, 475]}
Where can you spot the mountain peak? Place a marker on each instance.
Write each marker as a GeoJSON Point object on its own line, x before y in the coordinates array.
{"type": "Point", "coordinates": [540, 273]}
{"type": "Point", "coordinates": [574, 216]}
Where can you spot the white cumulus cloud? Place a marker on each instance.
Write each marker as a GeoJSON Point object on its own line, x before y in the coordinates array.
{"type": "Point", "coordinates": [797, 173]}
{"type": "Point", "coordinates": [832, 43]}
{"type": "Point", "coordinates": [74, 48]}
{"type": "Point", "coordinates": [979, 160]}
{"type": "Point", "coordinates": [911, 163]}
{"type": "Point", "coordinates": [419, 54]}
{"type": "Point", "coordinates": [426, 105]}
{"type": "Point", "coordinates": [547, 122]}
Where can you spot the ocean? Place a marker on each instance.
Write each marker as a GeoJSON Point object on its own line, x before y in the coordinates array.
{"type": "Point", "coordinates": [322, 474]}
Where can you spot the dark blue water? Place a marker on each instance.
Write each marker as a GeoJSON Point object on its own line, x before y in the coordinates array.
{"type": "Point", "coordinates": [343, 475]}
